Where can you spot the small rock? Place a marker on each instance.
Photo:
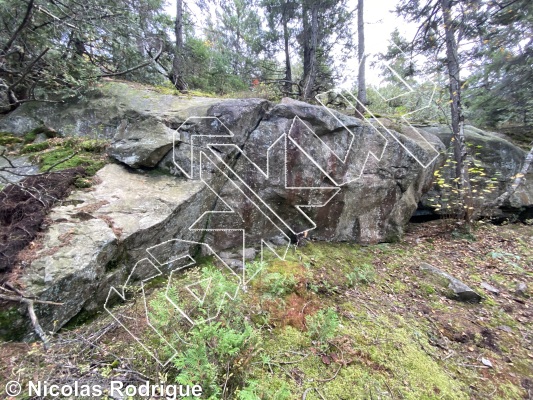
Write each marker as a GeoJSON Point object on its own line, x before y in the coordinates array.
{"type": "Point", "coordinates": [41, 137]}
{"type": "Point", "coordinates": [249, 253]}
{"type": "Point", "coordinates": [279, 240]}
{"type": "Point", "coordinates": [505, 328]}
{"type": "Point", "coordinates": [235, 265]}
{"type": "Point", "coordinates": [457, 288]}
{"type": "Point", "coordinates": [227, 255]}
{"type": "Point", "coordinates": [490, 288]}
{"type": "Point", "coordinates": [486, 362]}
{"type": "Point", "coordinates": [521, 289]}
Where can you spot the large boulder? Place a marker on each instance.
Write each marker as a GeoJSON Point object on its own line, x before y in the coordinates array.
{"type": "Point", "coordinates": [360, 183]}
{"type": "Point", "coordinates": [498, 160]}
{"type": "Point", "coordinates": [226, 173]}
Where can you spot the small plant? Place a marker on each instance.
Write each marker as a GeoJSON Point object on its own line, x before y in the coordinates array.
{"type": "Point", "coordinates": [253, 391]}
{"type": "Point", "coordinates": [30, 137]}
{"type": "Point", "coordinates": [82, 183]}
{"type": "Point", "coordinates": [278, 285]}
{"type": "Point", "coordinates": [427, 289]}
{"type": "Point", "coordinates": [211, 351]}
{"type": "Point", "coordinates": [365, 274]}
{"type": "Point", "coordinates": [322, 326]}
{"type": "Point", "coordinates": [215, 353]}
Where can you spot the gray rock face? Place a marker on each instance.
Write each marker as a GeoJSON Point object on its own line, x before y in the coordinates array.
{"type": "Point", "coordinates": [23, 166]}
{"type": "Point", "coordinates": [100, 113]}
{"type": "Point", "coordinates": [229, 173]}
{"type": "Point", "coordinates": [358, 183]}
{"type": "Point", "coordinates": [248, 254]}
{"type": "Point", "coordinates": [4, 99]}
{"type": "Point", "coordinates": [97, 236]}
{"type": "Point", "coordinates": [500, 160]}
{"type": "Point", "coordinates": [454, 287]}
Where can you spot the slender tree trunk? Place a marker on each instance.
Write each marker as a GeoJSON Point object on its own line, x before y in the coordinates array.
{"type": "Point", "coordinates": [176, 75]}
{"type": "Point", "coordinates": [288, 70]}
{"type": "Point", "coordinates": [458, 138]}
{"type": "Point", "coordinates": [361, 80]}
{"type": "Point", "coordinates": [310, 47]}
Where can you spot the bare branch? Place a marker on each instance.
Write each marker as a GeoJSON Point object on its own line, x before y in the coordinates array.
{"type": "Point", "coordinates": [35, 322]}
{"type": "Point", "coordinates": [22, 25]}
{"type": "Point", "coordinates": [144, 64]}
{"type": "Point", "coordinates": [28, 69]}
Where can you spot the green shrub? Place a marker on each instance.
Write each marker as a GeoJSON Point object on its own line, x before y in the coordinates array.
{"type": "Point", "coordinates": [216, 353]}
{"type": "Point", "coordinates": [30, 137]}
{"type": "Point", "coordinates": [211, 350]}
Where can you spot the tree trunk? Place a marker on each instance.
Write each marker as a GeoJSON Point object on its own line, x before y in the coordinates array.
{"type": "Point", "coordinates": [310, 47]}
{"type": "Point", "coordinates": [288, 70]}
{"type": "Point", "coordinates": [361, 80]}
{"type": "Point", "coordinates": [176, 75]}
{"type": "Point", "coordinates": [459, 144]}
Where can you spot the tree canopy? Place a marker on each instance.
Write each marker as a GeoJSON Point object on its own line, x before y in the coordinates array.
{"type": "Point", "coordinates": [297, 48]}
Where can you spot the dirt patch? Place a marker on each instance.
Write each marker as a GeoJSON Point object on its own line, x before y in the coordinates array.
{"type": "Point", "coordinates": [291, 311]}
{"type": "Point", "coordinates": [23, 208]}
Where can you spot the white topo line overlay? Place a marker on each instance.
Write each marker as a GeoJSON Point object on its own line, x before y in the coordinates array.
{"type": "Point", "coordinates": [201, 158]}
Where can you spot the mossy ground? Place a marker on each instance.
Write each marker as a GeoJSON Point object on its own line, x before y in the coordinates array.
{"type": "Point", "coordinates": [56, 154]}
{"type": "Point", "coordinates": [332, 321]}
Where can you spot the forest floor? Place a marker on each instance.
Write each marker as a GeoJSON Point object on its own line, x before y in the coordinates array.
{"type": "Point", "coordinates": [332, 321]}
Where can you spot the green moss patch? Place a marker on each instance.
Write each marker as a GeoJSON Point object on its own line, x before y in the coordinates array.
{"type": "Point", "coordinates": [32, 135]}
{"type": "Point", "coordinates": [7, 139]}
{"type": "Point", "coordinates": [34, 147]}
{"type": "Point", "coordinates": [60, 154]}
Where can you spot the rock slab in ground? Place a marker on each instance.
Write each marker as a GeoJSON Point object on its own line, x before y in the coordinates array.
{"type": "Point", "coordinates": [490, 288]}
{"type": "Point", "coordinates": [456, 288]}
